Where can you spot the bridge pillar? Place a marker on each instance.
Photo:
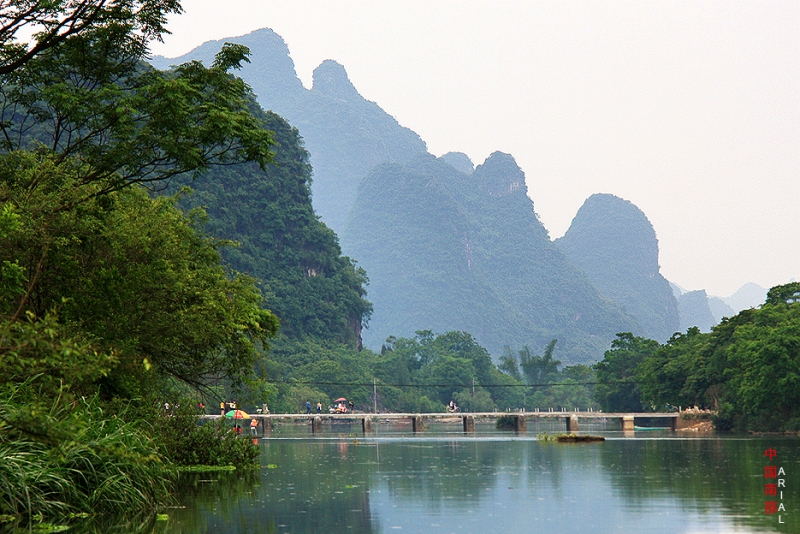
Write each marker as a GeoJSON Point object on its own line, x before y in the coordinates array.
{"type": "Point", "coordinates": [572, 423]}
{"type": "Point", "coordinates": [366, 424]}
{"type": "Point", "coordinates": [266, 427]}
{"type": "Point", "coordinates": [416, 423]}
{"type": "Point", "coordinates": [469, 423]}
{"type": "Point", "coordinates": [520, 423]}
{"type": "Point", "coordinates": [627, 423]}
{"type": "Point", "coordinates": [316, 425]}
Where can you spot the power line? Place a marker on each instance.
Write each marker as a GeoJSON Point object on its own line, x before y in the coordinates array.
{"type": "Point", "coordinates": [372, 384]}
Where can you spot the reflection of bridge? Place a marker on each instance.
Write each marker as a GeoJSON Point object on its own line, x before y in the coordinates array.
{"type": "Point", "coordinates": [516, 419]}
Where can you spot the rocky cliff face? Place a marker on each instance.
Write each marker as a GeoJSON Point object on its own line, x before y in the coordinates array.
{"type": "Point", "coordinates": [694, 311]}
{"type": "Point", "coordinates": [612, 241]}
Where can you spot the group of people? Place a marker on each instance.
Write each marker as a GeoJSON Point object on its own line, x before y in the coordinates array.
{"type": "Point", "coordinates": [253, 428]}
{"type": "Point", "coordinates": [339, 407]}
{"type": "Point", "coordinates": [224, 406]}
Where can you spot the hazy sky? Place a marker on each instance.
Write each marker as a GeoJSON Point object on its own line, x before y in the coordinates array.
{"type": "Point", "coordinates": [690, 110]}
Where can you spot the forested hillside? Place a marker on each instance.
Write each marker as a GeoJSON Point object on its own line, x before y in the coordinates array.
{"type": "Point", "coordinates": [314, 290]}
{"type": "Point", "coordinates": [467, 252]}
{"type": "Point", "coordinates": [612, 241]}
{"type": "Point", "coordinates": [345, 134]}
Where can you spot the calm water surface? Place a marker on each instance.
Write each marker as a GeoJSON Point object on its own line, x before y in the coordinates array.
{"type": "Point", "coordinates": [442, 481]}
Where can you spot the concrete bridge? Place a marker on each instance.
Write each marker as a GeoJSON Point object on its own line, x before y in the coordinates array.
{"type": "Point", "coordinates": [571, 419]}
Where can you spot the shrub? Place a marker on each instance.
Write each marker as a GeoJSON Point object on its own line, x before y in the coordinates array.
{"type": "Point", "coordinates": [187, 442]}
{"type": "Point", "coordinates": [506, 422]}
{"type": "Point", "coordinates": [724, 419]}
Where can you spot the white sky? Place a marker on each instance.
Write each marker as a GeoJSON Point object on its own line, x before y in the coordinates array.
{"type": "Point", "coordinates": [690, 110]}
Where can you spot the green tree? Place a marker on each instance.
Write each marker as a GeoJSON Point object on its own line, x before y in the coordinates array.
{"type": "Point", "coordinates": [509, 363]}
{"type": "Point", "coordinates": [104, 289]}
{"type": "Point", "coordinates": [764, 363]}
{"type": "Point", "coordinates": [616, 389]}
{"type": "Point", "coordinates": [57, 21]}
{"type": "Point", "coordinates": [674, 373]}
{"type": "Point", "coordinates": [131, 272]}
{"type": "Point", "coordinates": [539, 369]}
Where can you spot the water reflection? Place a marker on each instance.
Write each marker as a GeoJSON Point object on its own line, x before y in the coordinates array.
{"type": "Point", "coordinates": [446, 482]}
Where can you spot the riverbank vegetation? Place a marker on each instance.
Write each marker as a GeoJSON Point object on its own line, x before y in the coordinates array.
{"type": "Point", "coordinates": [747, 368]}
{"type": "Point", "coordinates": [423, 374]}
{"type": "Point", "coordinates": [109, 295]}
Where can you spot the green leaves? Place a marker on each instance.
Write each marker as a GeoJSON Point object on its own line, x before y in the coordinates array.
{"type": "Point", "coordinates": [748, 367]}
{"type": "Point", "coordinates": [93, 98]}
{"type": "Point", "coordinates": [616, 389]}
{"type": "Point", "coordinates": [316, 292]}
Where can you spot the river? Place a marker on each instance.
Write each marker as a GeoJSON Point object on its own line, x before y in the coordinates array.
{"type": "Point", "coordinates": [442, 481]}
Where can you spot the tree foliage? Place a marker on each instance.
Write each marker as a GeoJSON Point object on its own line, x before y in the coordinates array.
{"type": "Point", "coordinates": [107, 293]}
{"type": "Point", "coordinates": [92, 99]}
{"type": "Point", "coordinates": [617, 389]}
{"type": "Point", "coordinates": [747, 367]}
{"type": "Point", "coordinates": [55, 22]}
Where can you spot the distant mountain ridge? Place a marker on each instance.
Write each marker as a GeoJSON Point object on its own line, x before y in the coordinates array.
{"type": "Point", "coordinates": [345, 134]}
{"type": "Point", "coordinates": [749, 295]}
{"type": "Point", "coordinates": [450, 251]}
{"type": "Point", "coordinates": [696, 308]}
{"type": "Point", "coordinates": [476, 258]}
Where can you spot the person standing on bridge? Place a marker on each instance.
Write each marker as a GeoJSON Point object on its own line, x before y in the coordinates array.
{"type": "Point", "coordinates": [319, 406]}
{"type": "Point", "coordinates": [308, 407]}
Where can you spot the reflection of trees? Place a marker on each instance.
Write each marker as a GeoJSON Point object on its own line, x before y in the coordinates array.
{"type": "Point", "coordinates": [312, 487]}
{"type": "Point", "coordinates": [325, 485]}
{"type": "Point", "coordinates": [434, 471]}
{"type": "Point", "coordinates": [101, 524]}
{"type": "Point", "coordinates": [704, 475]}
{"type": "Point", "coordinates": [462, 472]}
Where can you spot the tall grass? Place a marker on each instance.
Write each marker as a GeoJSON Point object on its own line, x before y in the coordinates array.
{"type": "Point", "coordinates": [75, 458]}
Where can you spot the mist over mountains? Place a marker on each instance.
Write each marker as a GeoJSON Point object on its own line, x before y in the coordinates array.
{"type": "Point", "coordinates": [453, 251]}
{"type": "Point", "coordinates": [612, 241]}
{"type": "Point", "coordinates": [345, 134]}
{"type": "Point", "coordinates": [451, 246]}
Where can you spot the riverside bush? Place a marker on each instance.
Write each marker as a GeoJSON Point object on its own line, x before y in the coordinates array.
{"type": "Point", "coordinates": [186, 442]}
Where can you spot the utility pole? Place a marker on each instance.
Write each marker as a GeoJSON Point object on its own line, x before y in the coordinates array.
{"type": "Point", "coordinates": [374, 396]}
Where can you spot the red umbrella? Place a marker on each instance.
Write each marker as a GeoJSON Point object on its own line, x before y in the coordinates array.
{"type": "Point", "coordinates": [340, 399]}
